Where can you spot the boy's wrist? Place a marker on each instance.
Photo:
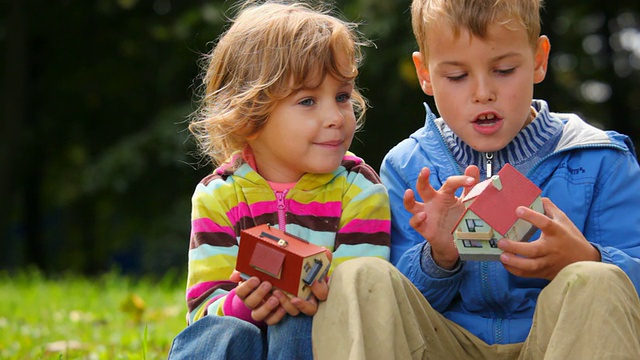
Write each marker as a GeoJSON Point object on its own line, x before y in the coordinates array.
{"type": "Point", "coordinates": [434, 269]}
{"type": "Point", "coordinates": [446, 261]}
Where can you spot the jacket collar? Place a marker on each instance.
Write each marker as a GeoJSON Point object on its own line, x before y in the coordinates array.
{"type": "Point", "coordinates": [540, 136]}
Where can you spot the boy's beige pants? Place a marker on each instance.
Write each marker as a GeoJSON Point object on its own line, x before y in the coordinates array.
{"type": "Point", "coordinates": [589, 311]}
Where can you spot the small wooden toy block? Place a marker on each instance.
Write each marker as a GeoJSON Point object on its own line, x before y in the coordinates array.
{"type": "Point", "coordinates": [288, 262]}
{"type": "Point", "coordinates": [490, 214]}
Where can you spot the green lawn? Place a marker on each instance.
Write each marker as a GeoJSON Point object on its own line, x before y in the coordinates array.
{"type": "Point", "coordinates": [71, 317]}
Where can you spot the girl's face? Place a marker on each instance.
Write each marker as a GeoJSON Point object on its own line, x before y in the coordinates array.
{"type": "Point", "coordinates": [308, 131]}
{"type": "Point", "coordinates": [483, 87]}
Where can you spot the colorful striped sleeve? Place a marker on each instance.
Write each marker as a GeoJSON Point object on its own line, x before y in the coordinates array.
{"type": "Point", "coordinates": [213, 251]}
{"type": "Point", "coordinates": [365, 221]}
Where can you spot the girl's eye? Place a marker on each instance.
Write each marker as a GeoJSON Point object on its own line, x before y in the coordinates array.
{"type": "Point", "coordinates": [306, 102]}
{"type": "Point", "coordinates": [343, 97]}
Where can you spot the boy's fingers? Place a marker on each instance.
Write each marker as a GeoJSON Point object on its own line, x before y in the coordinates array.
{"type": "Point", "coordinates": [409, 201]}
{"type": "Point", "coordinates": [453, 183]}
{"type": "Point", "coordinates": [417, 220]}
{"type": "Point", "coordinates": [523, 249]}
{"type": "Point", "coordinates": [541, 221]}
{"type": "Point", "coordinates": [423, 186]}
{"type": "Point", "coordinates": [472, 172]}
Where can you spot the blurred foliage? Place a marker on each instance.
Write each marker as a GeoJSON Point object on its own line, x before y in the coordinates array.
{"type": "Point", "coordinates": [98, 169]}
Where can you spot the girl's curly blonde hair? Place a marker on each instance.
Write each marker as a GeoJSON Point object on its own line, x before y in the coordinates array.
{"type": "Point", "coordinates": [269, 51]}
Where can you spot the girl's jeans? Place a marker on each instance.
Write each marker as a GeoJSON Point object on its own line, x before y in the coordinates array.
{"type": "Point", "coordinates": [226, 337]}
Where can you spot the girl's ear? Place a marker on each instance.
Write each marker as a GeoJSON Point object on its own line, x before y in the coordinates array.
{"type": "Point", "coordinates": [541, 59]}
{"type": "Point", "coordinates": [422, 71]}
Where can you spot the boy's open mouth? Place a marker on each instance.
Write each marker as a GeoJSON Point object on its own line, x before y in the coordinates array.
{"type": "Point", "coordinates": [487, 119]}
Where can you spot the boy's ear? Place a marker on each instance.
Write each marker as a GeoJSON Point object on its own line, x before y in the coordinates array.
{"type": "Point", "coordinates": [422, 71]}
{"type": "Point", "coordinates": [541, 59]}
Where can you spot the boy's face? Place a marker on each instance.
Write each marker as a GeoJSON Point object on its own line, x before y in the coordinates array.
{"type": "Point", "coordinates": [483, 87]}
{"type": "Point", "coordinates": [308, 131]}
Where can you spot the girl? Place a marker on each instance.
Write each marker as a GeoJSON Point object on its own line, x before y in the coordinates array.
{"type": "Point", "coordinates": [278, 114]}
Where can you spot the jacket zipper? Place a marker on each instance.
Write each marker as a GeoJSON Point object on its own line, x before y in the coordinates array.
{"type": "Point", "coordinates": [489, 163]}
{"type": "Point", "coordinates": [282, 218]}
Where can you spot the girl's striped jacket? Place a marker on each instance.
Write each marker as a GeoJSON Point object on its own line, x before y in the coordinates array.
{"type": "Point", "coordinates": [346, 211]}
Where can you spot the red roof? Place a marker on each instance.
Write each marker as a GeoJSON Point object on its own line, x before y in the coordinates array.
{"type": "Point", "coordinates": [498, 207]}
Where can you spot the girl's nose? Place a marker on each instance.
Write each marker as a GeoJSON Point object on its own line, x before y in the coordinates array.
{"type": "Point", "coordinates": [335, 117]}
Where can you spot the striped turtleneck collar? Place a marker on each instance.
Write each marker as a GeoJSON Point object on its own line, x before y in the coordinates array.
{"type": "Point", "coordinates": [539, 137]}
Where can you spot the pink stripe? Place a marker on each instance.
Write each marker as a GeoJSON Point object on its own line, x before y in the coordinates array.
{"type": "Point", "coordinates": [200, 288]}
{"type": "Point", "coordinates": [256, 209]}
{"type": "Point", "coordinates": [356, 159]}
{"type": "Point", "coordinates": [328, 209]}
{"type": "Point", "coordinates": [208, 225]}
{"type": "Point", "coordinates": [366, 226]}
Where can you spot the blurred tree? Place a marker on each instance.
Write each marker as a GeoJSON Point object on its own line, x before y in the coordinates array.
{"type": "Point", "coordinates": [98, 170]}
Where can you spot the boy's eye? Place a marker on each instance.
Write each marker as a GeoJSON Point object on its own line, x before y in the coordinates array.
{"type": "Point", "coordinates": [505, 71]}
{"type": "Point", "coordinates": [456, 77]}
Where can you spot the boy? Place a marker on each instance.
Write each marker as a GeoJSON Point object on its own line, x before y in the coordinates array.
{"type": "Point", "coordinates": [570, 293]}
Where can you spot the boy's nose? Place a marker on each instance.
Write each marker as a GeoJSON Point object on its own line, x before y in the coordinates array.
{"type": "Point", "coordinates": [484, 92]}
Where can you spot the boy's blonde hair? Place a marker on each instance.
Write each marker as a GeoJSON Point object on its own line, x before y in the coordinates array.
{"type": "Point", "coordinates": [270, 50]}
{"type": "Point", "coordinates": [473, 15]}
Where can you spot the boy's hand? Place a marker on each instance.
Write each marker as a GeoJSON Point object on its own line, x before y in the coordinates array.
{"type": "Point", "coordinates": [435, 217]}
{"type": "Point", "coordinates": [560, 244]}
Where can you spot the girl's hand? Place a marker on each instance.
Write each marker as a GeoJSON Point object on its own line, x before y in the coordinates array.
{"type": "Point", "coordinates": [319, 290]}
{"type": "Point", "coordinates": [257, 296]}
{"type": "Point", "coordinates": [561, 243]}
{"type": "Point", "coordinates": [271, 305]}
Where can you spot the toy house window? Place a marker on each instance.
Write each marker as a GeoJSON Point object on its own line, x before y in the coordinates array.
{"type": "Point", "coordinates": [472, 243]}
{"type": "Point", "coordinates": [267, 260]}
{"type": "Point", "coordinates": [307, 267]}
{"type": "Point", "coordinates": [472, 224]}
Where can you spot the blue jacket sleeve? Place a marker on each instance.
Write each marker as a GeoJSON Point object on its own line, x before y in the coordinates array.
{"type": "Point", "coordinates": [397, 181]}
{"type": "Point", "coordinates": [399, 171]}
{"type": "Point", "coordinates": [613, 226]}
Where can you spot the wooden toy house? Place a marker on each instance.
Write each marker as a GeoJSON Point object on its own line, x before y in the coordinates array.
{"type": "Point", "coordinates": [288, 262]}
{"type": "Point", "coordinates": [490, 214]}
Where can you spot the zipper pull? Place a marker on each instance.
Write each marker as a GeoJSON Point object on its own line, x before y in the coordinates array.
{"type": "Point", "coordinates": [489, 157]}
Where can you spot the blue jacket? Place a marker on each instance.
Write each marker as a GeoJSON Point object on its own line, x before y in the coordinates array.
{"type": "Point", "coordinates": [591, 175]}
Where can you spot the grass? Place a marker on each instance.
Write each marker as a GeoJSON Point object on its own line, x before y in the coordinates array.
{"type": "Point", "coordinates": [72, 317]}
